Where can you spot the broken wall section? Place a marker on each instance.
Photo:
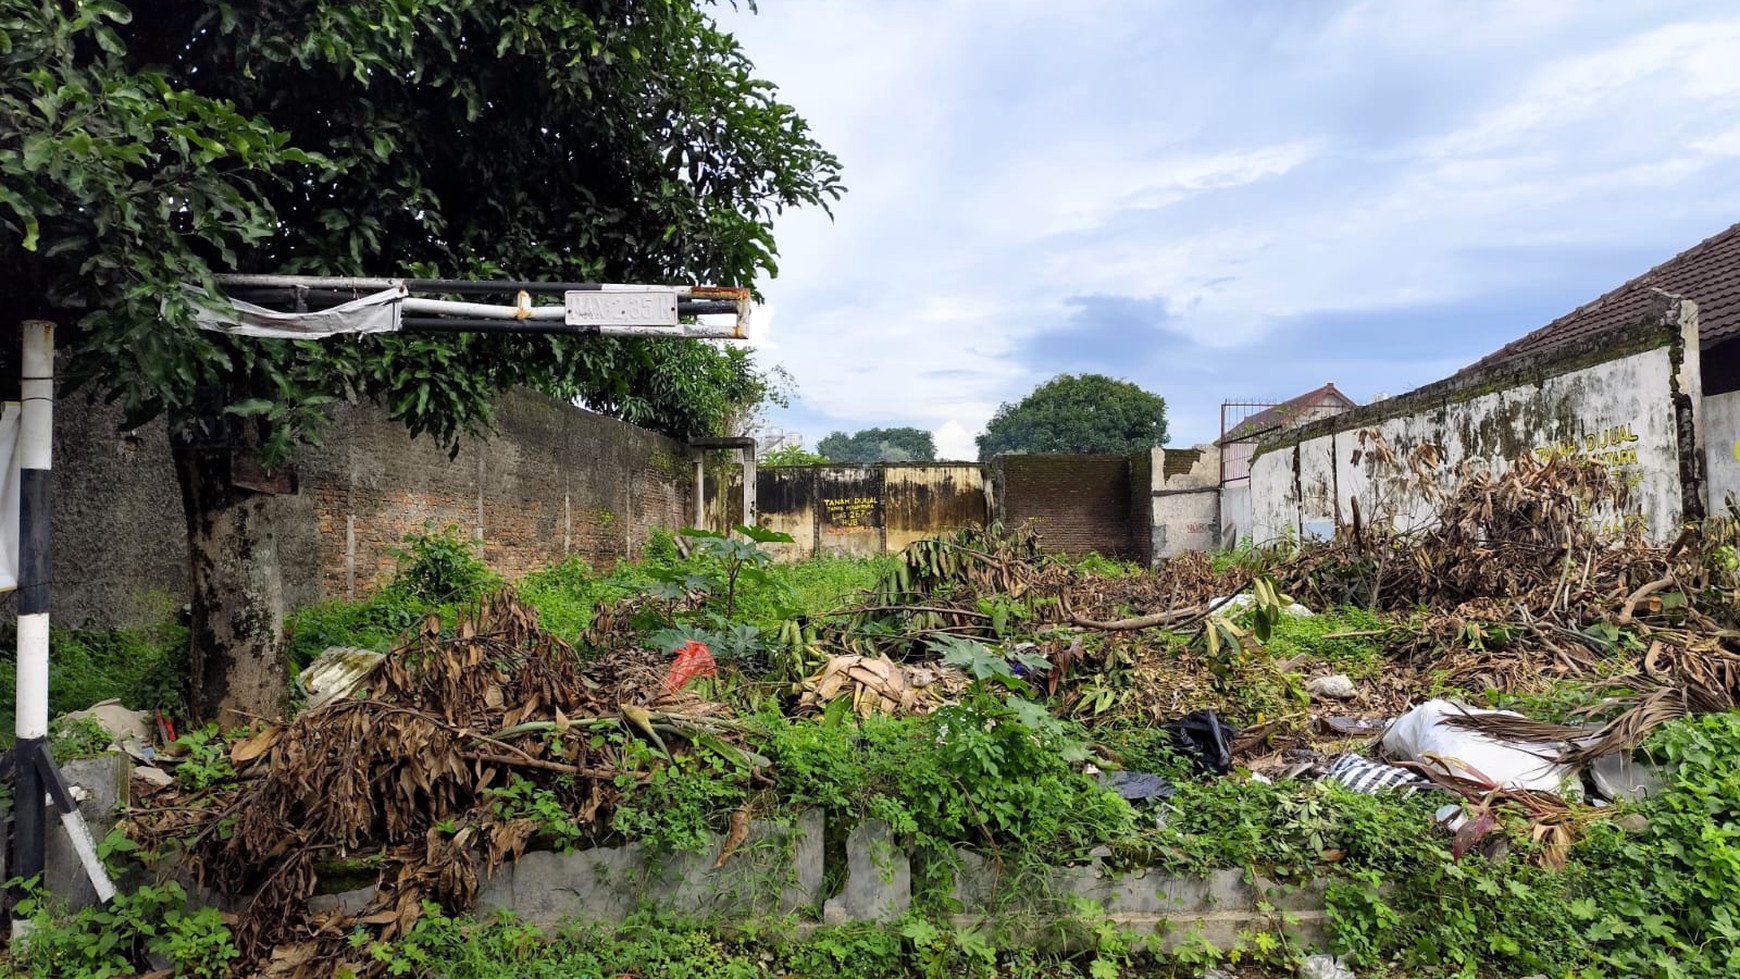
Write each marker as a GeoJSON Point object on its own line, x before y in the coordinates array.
{"type": "Point", "coordinates": [1186, 498]}
{"type": "Point", "coordinates": [1631, 401]}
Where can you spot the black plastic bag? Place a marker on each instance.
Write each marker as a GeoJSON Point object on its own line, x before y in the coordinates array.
{"type": "Point", "coordinates": [1201, 737]}
{"type": "Point", "coordinates": [1136, 786]}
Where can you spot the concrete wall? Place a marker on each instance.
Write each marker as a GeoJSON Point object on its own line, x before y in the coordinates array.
{"type": "Point", "coordinates": [1630, 402]}
{"type": "Point", "coordinates": [1236, 514]}
{"type": "Point", "coordinates": [1186, 500]}
{"type": "Point", "coordinates": [1722, 448]}
{"type": "Point", "coordinates": [552, 481]}
{"type": "Point", "coordinates": [853, 510]}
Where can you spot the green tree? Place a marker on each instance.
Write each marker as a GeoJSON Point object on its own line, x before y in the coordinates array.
{"type": "Point", "coordinates": [551, 139]}
{"type": "Point", "coordinates": [1077, 413]}
{"type": "Point", "coordinates": [879, 445]}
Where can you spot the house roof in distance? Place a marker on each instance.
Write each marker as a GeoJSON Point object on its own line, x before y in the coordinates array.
{"type": "Point", "coordinates": [1708, 274]}
{"type": "Point", "coordinates": [1288, 412]}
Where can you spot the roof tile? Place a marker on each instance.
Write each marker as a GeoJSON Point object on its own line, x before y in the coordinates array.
{"type": "Point", "coordinates": [1707, 274]}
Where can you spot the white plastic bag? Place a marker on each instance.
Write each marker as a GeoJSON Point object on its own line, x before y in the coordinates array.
{"type": "Point", "coordinates": [1513, 765]}
{"type": "Point", "coordinates": [1325, 967]}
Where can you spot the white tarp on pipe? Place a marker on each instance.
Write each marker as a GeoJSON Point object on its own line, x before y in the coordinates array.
{"type": "Point", "coordinates": [10, 461]}
{"type": "Point", "coordinates": [375, 313]}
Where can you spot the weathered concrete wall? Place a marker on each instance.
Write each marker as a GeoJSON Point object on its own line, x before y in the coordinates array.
{"type": "Point", "coordinates": [1236, 514]}
{"type": "Point", "coordinates": [781, 870]}
{"type": "Point", "coordinates": [1631, 403]}
{"type": "Point", "coordinates": [1186, 500]}
{"type": "Point", "coordinates": [777, 871]}
{"type": "Point", "coordinates": [1722, 448]}
{"type": "Point", "coordinates": [1162, 909]}
{"type": "Point", "coordinates": [854, 510]}
{"type": "Point", "coordinates": [552, 481]}
{"type": "Point", "coordinates": [1154, 505]}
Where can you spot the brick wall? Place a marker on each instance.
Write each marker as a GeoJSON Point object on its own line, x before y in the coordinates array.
{"type": "Point", "coordinates": [552, 481]}
{"type": "Point", "coordinates": [1078, 503]}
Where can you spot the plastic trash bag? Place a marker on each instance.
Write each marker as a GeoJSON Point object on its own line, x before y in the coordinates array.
{"type": "Point", "coordinates": [1201, 737]}
{"type": "Point", "coordinates": [693, 660]}
{"type": "Point", "coordinates": [1371, 777]}
{"type": "Point", "coordinates": [1136, 786]}
{"type": "Point", "coordinates": [1512, 765]}
{"type": "Point", "coordinates": [1325, 967]}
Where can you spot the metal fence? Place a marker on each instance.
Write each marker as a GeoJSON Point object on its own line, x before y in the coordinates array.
{"type": "Point", "coordinates": [1235, 458]}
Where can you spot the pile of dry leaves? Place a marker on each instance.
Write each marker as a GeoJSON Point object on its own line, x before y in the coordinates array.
{"type": "Point", "coordinates": [402, 777]}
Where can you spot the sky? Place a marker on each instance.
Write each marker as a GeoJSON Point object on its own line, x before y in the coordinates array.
{"type": "Point", "coordinates": [1221, 201]}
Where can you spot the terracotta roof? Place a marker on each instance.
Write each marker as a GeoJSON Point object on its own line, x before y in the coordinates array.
{"type": "Point", "coordinates": [1286, 413]}
{"type": "Point", "coordinates": [1707, 274]}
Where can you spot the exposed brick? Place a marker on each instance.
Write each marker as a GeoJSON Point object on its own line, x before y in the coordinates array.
{"type": "Point", "coordinates": [1077, 503]}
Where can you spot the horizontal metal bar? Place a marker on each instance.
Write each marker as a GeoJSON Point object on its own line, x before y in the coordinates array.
{"type": "Point", "coordinates": [324, 298]}
{"type": "Point", "coordinates": [467, 286]}
{"type": "Point", "coordinates": [438, 324]}
{"type": "Point", "coordinates": [447, 307]}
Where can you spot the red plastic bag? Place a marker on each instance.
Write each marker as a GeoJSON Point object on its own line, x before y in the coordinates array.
{"type": "Point", "coordinates": [693, 660]}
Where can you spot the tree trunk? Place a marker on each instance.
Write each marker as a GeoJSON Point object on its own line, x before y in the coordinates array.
{"type": "Point", "coordinates": [236, 654]}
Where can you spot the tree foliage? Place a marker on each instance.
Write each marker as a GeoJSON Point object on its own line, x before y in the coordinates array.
{"type": "Point", "coordinates": [792, 455]}
{"type": "Point", "coordinates": [1077, 413]}
{"type": "Point", "coordinates": [879, 445]}
{"type": "Point", "coordinates": [554, 139]}
{"type": "Point", "coordinates": [565, 140]}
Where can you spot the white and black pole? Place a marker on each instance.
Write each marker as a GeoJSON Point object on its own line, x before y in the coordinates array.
{"type": "Point", "coordinates": [35, 443]}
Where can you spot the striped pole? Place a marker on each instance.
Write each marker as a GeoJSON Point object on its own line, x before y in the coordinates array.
{"type": "Point", "coordinates": [36, 441]}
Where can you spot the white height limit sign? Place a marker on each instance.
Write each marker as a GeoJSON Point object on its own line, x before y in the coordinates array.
{"type": "Point", "coordinates": [650, 306]}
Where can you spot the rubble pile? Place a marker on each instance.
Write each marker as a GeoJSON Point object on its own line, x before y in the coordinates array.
{"type": "Point", "coordinates": [400, 775]}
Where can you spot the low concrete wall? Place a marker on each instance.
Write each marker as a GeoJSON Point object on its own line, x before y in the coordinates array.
{"type": "Point", "coordinates": [1632, 402]}
{"type": "Point", "coordinates": [1164, 909]}
{"type": "Point", "coordinates": [779, 870]}
{"type": "Point", "coordinates": [1236, 514]}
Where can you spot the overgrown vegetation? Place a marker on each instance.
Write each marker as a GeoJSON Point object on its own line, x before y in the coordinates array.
{"type": "Point", "coordinates": [969, 692]}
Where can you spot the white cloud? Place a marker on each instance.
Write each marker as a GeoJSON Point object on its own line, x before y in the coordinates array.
{"type": "Point", "coordinates": [1243, 169]}
{"type": "Point", "coordinates": [955, 440]}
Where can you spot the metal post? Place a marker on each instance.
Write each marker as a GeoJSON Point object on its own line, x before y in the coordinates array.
{"type": "Point", "coordinates": [36, 442]}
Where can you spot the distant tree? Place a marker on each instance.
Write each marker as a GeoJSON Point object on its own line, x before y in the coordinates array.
{"type": "Point", "coordinates": [792, 455]}
{"type": "Point", "coordinates": [879, 445]}
{"type": "Point", "coordinates": [1078, 413]}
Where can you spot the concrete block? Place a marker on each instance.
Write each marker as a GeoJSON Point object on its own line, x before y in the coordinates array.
{"type": "Point", "coordinates": [777, 870]}
{"type": "Point", "coordinates": [104, 782]}
{"type": "Point", "coordinates": [1166, 910]}
{"type": "Point", "coordinates": [878, 884]}
{"type": "Point", "coordinates": [349, 902]}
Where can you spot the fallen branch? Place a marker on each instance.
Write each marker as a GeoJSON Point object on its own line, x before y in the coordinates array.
{"type": "Point", "coordinates": [1174, 617]}
{"type": "Point", "coordinates": [941, 610]}
{"type": "Point", "coordinates": [1641, 594]}
{"type": "Point", "coordinates": [546, 765]}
